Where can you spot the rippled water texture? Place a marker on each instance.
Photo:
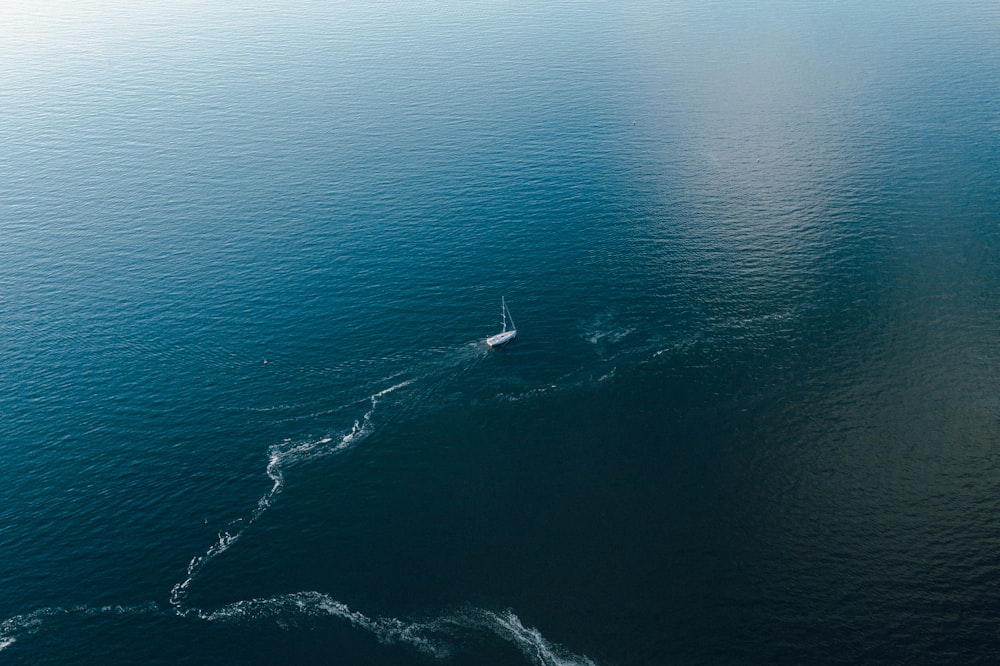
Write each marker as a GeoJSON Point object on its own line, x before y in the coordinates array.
{"type": "Point", "coordinates": [250, 254]}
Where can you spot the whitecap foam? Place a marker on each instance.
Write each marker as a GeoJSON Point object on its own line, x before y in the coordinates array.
{"type": "Point", "coordinates": [279, 457]}
{"type": "Point", "coordinates": [27, 624]}
{"type": "Point", "coordinates": [439, 637]}
{"type": "Point", "coordinates": [612, 336]}
{"type": "Point", "coordinates": [602, 329]}
{"type": "Point", "coordinates": [284, 609]}
{"type": "Point", "coordinates": [531, 642]}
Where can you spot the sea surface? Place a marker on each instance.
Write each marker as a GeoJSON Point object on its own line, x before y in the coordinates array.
{"type": "Point", "coordinates": [250, 253]}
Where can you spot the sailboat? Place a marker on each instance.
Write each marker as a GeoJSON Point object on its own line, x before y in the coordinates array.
{"type": "Point", "coordinates": [506, 335]}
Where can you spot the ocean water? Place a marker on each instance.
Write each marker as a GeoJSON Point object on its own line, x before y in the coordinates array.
{"type": "Point", "coordinates": [250, 253]}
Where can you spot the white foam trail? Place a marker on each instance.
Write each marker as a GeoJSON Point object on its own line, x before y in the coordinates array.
{"type": "Point", "coordinates": [602, 328]}
{"type": "Point", "coordinates": [278, 458]}
{"type": "Point", "coordinates": [613, 336]}
{"type": "Point", "coordinates": [437, 637]}
{"type": "Point", "coordinates": [28, 624]}
{"type": "Point", "coordinates": [530, 641]}
{"type": "Point", "coordinates": [281, 609]}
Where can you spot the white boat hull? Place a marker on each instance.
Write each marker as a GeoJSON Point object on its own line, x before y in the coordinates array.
{"type": "Point", "coordinates": [501, 338]}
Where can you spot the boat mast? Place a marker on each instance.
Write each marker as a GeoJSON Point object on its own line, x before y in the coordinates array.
{"type": "Point", "coordinates": [503, 314]}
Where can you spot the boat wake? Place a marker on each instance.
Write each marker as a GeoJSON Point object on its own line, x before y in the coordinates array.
{"type": "Point", "coordinates": [439, 637]}
{"type": "Point", "coordinates": [287, 454]}
{"type": "Point", "coordinates": [20, 626]}
{"type": "Point", "coordinates": [604, 330]}
{"type": "Point", "coordinates": [279, 457]}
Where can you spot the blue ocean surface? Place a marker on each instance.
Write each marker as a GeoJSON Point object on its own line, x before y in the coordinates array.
{"type": "Point", "coordinates": [250, 253]}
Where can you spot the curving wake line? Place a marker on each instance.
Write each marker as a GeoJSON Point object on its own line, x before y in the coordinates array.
{"type": "Point", "coordinates": [27, 624]}
{"type": "Point", "coordinates": [278, 457]}
{"type": "Point", "coordinates": [439, 637]}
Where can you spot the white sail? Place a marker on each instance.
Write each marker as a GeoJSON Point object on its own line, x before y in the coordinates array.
{"type": "Point", "coordinates": [505, 335]}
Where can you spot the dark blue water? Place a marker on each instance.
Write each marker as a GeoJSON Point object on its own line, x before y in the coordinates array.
{"type": "Point", "coordinates": [249, 255]}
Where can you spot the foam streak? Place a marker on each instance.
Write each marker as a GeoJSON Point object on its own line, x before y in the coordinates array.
{"type": "Point", "coordinates": [278, 458]}
{"type": "Point", "coordinates": [27, 624]}
{"type": "Point", "coordinates": [437, 637]}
